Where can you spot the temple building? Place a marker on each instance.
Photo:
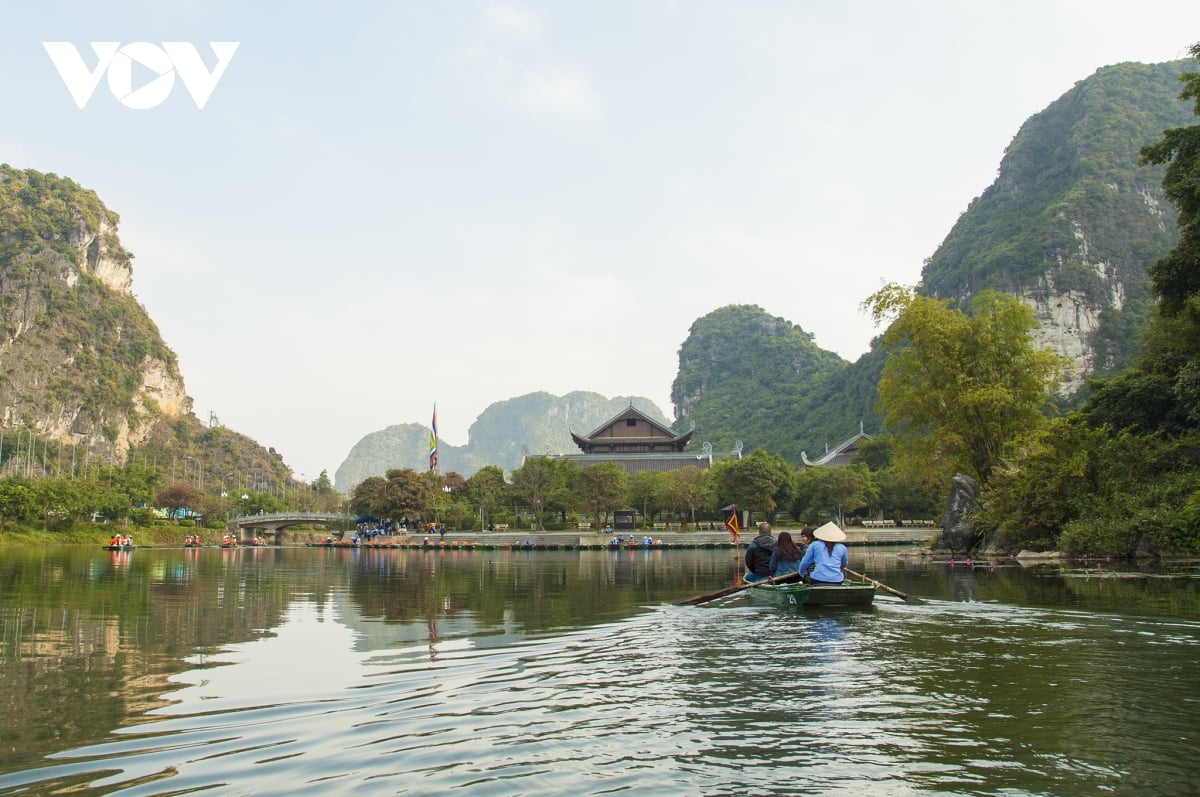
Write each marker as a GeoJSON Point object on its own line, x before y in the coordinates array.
{"type": "Point", "coordinates": [841, 455]}
{"type": "Point", "coordinates": [637, 442]}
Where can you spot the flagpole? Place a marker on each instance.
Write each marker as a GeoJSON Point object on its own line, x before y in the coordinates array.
{"type": "Point", "coordinates": [734, 528]}
{"type": "Point", "coordinates": [433, 442]}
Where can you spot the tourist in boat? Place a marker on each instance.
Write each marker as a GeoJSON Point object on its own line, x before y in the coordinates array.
{"type": "Point", "coordinates": [827, 556]}
{"type": "Point", "coordinates": [806, 538]}
{"type": "Point", "coordinates": [758, 554]}
{"type": "Point", "coordinates": [785, 559]}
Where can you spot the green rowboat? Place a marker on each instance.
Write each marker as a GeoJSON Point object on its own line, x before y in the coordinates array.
{"type": "Point", "coordinates": [795, 595]}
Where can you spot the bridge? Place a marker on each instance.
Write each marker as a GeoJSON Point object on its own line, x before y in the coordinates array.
{"type": "Point", "coordinates": [247, 527]}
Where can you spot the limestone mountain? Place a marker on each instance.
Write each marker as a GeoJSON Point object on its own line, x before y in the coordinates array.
{"type": "Point", "coordinates": [1070, 225]}
{"type": "Point", "coordinates": [83, 369]}
{"type": "Point", "coordinates": [1072, 222]}
{"type": "Point", "coordinates": [502, 434]}
{"type": "Point", "coordinates": [744, 375]}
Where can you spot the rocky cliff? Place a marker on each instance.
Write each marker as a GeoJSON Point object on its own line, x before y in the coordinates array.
{"type": "Point", "coordinates": [81, 363]}
{"type": "Point", "coordinates": [1072, 222]}
{"type": "Point", "coordinates": [84, 372]}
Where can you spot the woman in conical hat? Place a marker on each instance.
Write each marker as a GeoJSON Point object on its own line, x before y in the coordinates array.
{"type": "Point", "coordinates": [827, 556]}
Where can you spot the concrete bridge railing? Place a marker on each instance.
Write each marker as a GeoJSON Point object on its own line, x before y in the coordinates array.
{"type": "Point", "coordinates": [247, 527]}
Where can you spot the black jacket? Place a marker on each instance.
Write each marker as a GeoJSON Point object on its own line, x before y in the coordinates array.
{"type": "Point", "coordinates": [758, 555]}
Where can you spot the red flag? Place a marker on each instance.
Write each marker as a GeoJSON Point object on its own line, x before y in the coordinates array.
{"type": "Point", "coordinates": [731, 523]}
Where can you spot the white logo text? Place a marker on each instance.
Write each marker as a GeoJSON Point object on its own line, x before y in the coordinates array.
{"type": "Point", "coordinates": [117, 60]}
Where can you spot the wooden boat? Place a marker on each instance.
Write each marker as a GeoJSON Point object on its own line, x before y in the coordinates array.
{"type": "Point", "coordinates": [118, 547]}
{"type": "Point", "coordinates": [793, 595]}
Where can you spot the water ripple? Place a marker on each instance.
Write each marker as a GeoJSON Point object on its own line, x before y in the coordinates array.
{"type": "Point", "coordinates": [896, 700]}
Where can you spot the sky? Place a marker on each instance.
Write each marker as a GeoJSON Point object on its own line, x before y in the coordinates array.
{"type": "Point", "coordinates": [381, 206]}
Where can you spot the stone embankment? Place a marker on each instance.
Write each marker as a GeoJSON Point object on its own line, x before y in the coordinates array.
{"type": "Point", "coordinates": [589, 540]}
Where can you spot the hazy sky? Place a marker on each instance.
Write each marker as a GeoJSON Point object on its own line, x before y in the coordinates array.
{"type": "Point", "coordinates": [387, 204]}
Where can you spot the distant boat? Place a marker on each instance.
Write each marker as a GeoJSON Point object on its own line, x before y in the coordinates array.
{"type": "Point", "coordinates": [118, 547]}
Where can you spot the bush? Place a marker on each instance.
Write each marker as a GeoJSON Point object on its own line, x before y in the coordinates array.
{"type": "Point", "coordinates": [141, 517]}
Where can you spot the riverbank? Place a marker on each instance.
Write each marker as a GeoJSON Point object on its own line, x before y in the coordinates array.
{"type": "Point", "coordinates": [95, 534]}
{"type": "Point", "coordinates": [168, 536]}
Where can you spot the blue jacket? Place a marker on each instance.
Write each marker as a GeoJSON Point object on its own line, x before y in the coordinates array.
{"type": "Point", "coordinates": [828, 567]}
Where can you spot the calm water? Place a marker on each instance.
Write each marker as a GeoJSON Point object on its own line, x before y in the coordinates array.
{"type": "Point", "coordinates": [312, 671]}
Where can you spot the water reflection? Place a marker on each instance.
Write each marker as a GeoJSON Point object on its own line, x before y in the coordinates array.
{"type": "Point", "coordinates": [314, 671]}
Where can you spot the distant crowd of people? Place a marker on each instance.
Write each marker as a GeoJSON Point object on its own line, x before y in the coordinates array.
{"type": "Point", "coordinates": [620, 540]}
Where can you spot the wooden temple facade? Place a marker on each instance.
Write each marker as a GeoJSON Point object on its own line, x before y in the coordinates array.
{"type": "Point", "coordinates": [637, 442]}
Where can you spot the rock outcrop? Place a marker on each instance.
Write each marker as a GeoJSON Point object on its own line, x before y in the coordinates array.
{"type": "Point", "coordinates": [958, 533]}
{"type": "Point", "coordinates": [81, 363]}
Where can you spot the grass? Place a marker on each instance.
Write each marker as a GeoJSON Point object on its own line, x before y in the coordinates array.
{"type": "Point", "coordinates": [97, 534]}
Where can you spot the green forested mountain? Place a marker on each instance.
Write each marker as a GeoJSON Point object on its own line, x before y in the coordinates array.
{"type": "Point", "coordinates": [538, 423]}
{"type": "Point", "coordinates": [1071, 225]}
{"type": "Point", "coordinates": [747, 376]}
{"type": "Point", "coordinates": [1072, 222]}
{"type": "Point", "coordinates": [1121, 475]}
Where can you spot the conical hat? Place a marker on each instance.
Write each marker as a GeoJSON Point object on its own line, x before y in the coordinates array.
{"type": "Point", "coordinates": [830, 532]}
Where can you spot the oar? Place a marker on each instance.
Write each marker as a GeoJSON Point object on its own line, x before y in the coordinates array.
{"type": "Point", "coordinates": [711, 596]}
{"type": "Point", "coordinates": [880, 585]}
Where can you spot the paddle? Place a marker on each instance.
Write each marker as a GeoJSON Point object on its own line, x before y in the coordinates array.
{"type": "Point", "coordinates": [879, 585]}
{"type": "Point", "coordinates": [711, 596]}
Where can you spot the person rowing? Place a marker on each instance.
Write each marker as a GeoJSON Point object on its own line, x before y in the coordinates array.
{"type": "Point", "coordinates": [827, 556]}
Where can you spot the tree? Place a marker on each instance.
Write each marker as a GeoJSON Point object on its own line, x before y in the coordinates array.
{"type": "Point", "coordinates": [689, 488]}
{"type": "Point", "coordinates": [408, 493]}
{"type": "Point", "coordinates": [366, 499]}
{"type": "Point", "coordinates": [251, 503]}
{"type": "Point", "coordinates": [824, 492]}
{"type": "Point", "coordinates": [957, 388]}
{"type": "Point", "coordinates": [539, 482]}
{"type": "Point", "coordinates": [1172, 347]}
{"type": "Point", "coordinates": [180, 495]}
{"type": "Point", "coordinates": [486, 488]}
{"type": "Point", "coordinates": [900, 498]}
{"type": "Point", "coordinates": [323, 486]}
{"type": "Point", "coordinates": [1176, 277]}
{"type": "Point", "coordinates": [644, 489]}
{"type": "Point", "coordinates": [758, 482]}
{"type": "Point", "coordinates": [16, 502]}
{"type": "Point", "coordinates": [137, 480]}
{"type": "Point", "coordinates": [601, 487]}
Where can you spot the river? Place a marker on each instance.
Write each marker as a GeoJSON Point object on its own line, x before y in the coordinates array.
{"type": "Point", "coordinates": [325, 671]}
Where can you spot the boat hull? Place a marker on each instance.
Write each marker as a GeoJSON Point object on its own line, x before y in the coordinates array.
{"type": "Point", "coordinates": [806, 595]}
